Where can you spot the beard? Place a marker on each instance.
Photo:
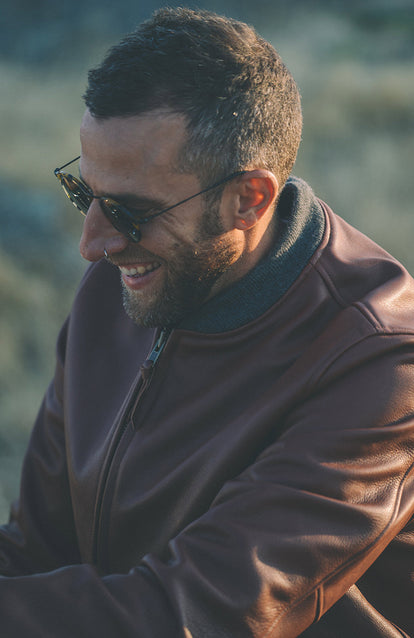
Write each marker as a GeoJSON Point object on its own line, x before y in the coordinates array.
{"type": "Point", "coordinates": [190, 275]}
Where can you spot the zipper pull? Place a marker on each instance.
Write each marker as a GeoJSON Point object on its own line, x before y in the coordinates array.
{"type": "Point", "coordinates": [148, 366]}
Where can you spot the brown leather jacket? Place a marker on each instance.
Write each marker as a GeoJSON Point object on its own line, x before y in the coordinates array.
{"type": "Point", "coordinates": [253, 477]}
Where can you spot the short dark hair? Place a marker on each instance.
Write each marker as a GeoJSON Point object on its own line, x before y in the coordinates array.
{"type": "Point", "coordinates": [241, 104]}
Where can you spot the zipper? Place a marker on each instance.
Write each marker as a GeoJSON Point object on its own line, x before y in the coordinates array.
{"type": "Point", "coordinates": [147, 370]}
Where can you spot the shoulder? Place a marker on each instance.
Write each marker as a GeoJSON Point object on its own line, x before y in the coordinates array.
{"type": "Point", "coordinates": [365, 279]}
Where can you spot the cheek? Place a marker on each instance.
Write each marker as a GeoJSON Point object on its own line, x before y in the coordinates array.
{"type": "Point", "coordinates": [190, 228]}
{"type": "Point", "coordinates": [166, 244]}
{"type": "Point", "coordinates": [174, 235]}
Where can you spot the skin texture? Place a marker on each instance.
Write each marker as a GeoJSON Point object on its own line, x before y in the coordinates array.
{"type": "Point", "coordinates": [191, 252]}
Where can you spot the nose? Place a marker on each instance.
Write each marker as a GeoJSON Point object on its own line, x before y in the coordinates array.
{"type": "Point", "coordinates": [99, 235]}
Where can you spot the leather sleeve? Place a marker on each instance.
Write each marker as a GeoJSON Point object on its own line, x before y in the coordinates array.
{"type": "Point", "coordinates": [40, 535]}
{"type": "Point", "coordinates": [292, 533]}
{"type": "Point", "coordinates": [281, 543]}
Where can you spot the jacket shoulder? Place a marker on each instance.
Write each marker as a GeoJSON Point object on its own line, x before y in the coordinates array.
{"type": "Point", "coordinates": [361, 274]}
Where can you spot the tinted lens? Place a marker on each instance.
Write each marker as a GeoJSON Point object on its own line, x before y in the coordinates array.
{"type": "Point", "coordinates": [75, 191]}
{"type": "Point", "coordinates": [121, 218]}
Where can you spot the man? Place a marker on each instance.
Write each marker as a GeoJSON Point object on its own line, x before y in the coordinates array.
{"type": "Point", "coordinates": [233, 455]}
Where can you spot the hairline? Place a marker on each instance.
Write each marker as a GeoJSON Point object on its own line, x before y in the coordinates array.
{"type": "Point", "coordinates": [183, 163]}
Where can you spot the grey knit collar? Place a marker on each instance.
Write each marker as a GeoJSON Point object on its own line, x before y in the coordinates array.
{"type": "Point", "coordinates": [301, 225]}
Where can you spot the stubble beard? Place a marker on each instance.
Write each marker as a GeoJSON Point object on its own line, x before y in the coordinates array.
{"type": "Point", "coordinates": [190, 277]}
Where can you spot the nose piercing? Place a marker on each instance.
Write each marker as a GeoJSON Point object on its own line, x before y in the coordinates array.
{"type": "Point", "coordinates": [106, 253]}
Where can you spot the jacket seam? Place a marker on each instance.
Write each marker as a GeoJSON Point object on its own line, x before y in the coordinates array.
{"type": "Point", "coordinates": [340, 299]}
{"type": "Point", "coordinates": [319, 604]}
{"type": "Point", "coordinates": [379, 536]}
{"type": "Point", "coordinates": [318, 589]}
{"type": "Point", "coordinates": [354, 344]}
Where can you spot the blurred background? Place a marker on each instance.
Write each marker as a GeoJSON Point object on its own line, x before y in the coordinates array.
{"type": "Point", "coordinates": [354, 64]}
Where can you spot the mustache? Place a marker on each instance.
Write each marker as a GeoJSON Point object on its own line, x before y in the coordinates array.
{"type": "Point", "coordinates": [136, 254]}
{"type": "Point", "coordinates": [133, 254]}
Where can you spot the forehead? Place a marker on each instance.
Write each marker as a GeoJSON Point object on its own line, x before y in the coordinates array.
{"type": "Point", "coordinates": [145, 145]}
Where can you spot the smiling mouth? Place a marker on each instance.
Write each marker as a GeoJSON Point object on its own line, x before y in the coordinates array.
{"type": "Point", "coordinates": [139, 271]}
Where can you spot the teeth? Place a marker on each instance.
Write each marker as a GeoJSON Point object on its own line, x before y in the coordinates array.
{"type": "Point", "coordinates": [139, 270]}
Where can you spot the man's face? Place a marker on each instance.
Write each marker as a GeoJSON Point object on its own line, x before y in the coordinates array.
{"type": "Point", "coordinates": [186, 254]}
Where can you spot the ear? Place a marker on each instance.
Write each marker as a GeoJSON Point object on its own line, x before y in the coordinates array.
{"type": "Point", "coordinates": [258, 190]}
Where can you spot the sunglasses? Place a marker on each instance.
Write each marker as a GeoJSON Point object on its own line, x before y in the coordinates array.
{"type": "Point", "coordinates": [125, 220]}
